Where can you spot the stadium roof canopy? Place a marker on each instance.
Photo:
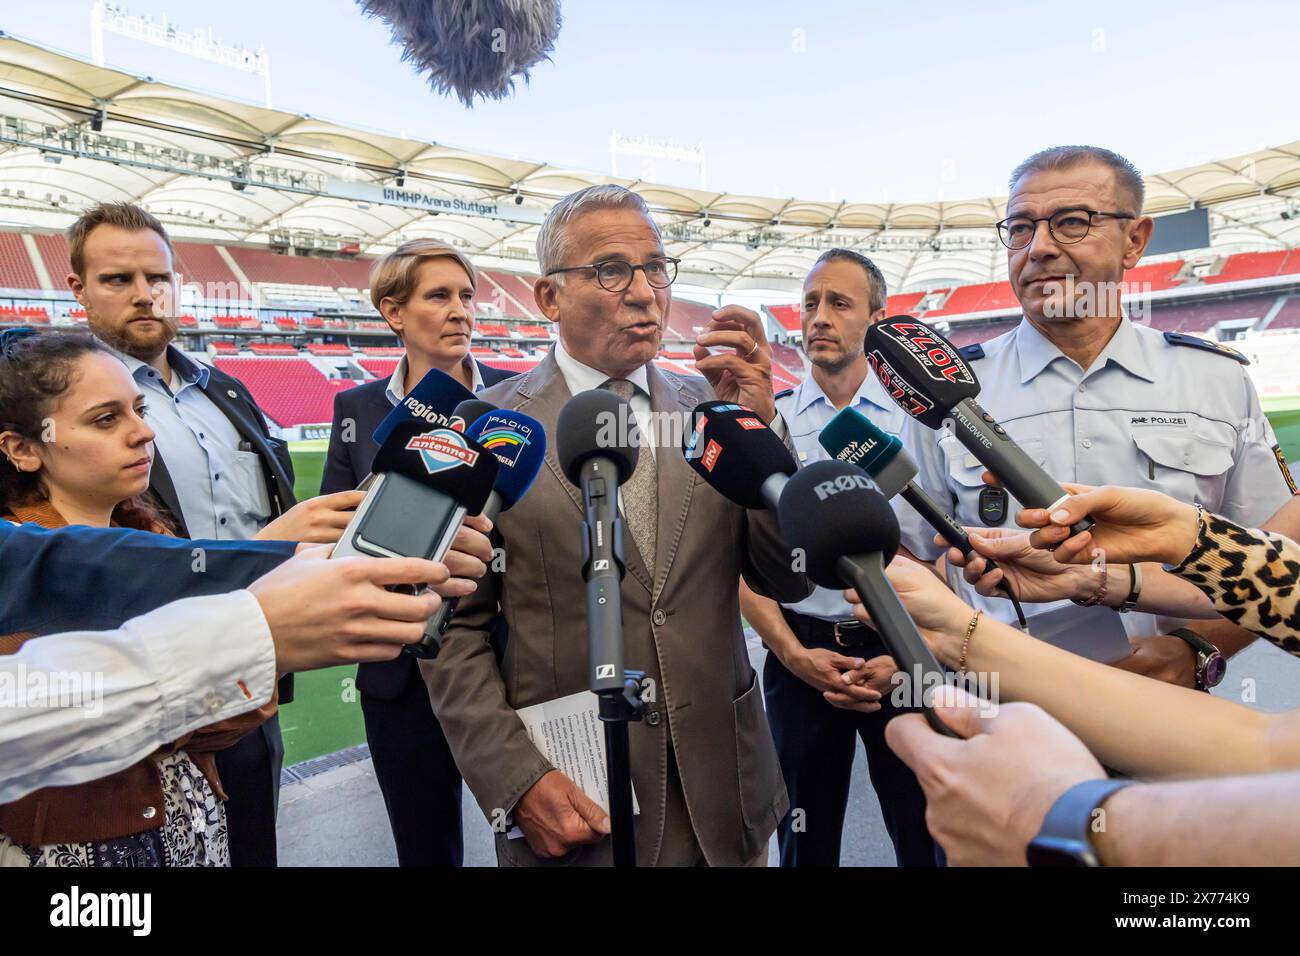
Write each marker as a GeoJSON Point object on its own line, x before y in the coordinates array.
{"type": "Point", "coordinates": [217, 169]}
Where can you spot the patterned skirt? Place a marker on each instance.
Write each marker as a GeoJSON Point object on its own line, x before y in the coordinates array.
{"type": "Point", "coordinates": [193, 832]}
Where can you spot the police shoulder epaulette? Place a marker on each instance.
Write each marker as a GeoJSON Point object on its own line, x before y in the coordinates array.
{"type": "Point", "coordinates": [971, 352]}
{"type": "Point", "coordinates": [788, 391]}
{"type": "Point", "coordinates": [1205, 345]}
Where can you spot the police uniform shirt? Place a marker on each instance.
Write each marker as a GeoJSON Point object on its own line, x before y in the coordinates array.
{"type": "Point", "coordinates": [1162, 411]}
{"type": "Point", "coordinates": [806, 411]}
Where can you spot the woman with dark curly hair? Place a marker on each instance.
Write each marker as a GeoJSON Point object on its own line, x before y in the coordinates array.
{"type": "Point", "coordinates": [76, 451]}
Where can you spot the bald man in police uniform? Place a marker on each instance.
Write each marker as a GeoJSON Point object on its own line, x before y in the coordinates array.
{"type": "Point", "coordinates": [1097, 398]}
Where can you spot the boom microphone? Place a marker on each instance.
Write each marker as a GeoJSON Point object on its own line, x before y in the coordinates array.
{"type": "Point", "coordinates": [853, 438]}
{"type": "Point", "coordinates": [931, 382]}
{"type": "Point", "coordinates": [474, 47]}
{"type": "Point", "coordinates": [848, 533]}
{"type": "Point", "coordinates": [518, 442]}
{"type": "Point", "coordinates": [738, 456]}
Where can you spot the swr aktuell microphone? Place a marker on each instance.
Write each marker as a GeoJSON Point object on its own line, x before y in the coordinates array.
{"type": "Point", "coordinates": [853, 438]}
{"type": "Point", "coordinates": [598, 467]}
{"type": "Point", "coordinates": [931, 382]}
{"type": "Point", "coordinates": [518, 442]}
{"type": "Point", "coordinates": [848, 533]}
{"type": "Point", "coordinates": [738, 455]}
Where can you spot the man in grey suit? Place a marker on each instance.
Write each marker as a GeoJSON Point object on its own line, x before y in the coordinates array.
{"type": "Point", "coordinates": [704, 767]}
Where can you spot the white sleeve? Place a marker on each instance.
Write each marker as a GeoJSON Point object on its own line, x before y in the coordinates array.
{"type": "Point", "coordinates": [82, 705]}
{"type": "Point", "coordinates": [931, 475]}
{"type": "Point", "coordinates": [1259, 482]}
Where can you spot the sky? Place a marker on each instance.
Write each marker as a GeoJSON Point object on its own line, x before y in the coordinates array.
{"type": "Point", "coordinates": [867, 100]}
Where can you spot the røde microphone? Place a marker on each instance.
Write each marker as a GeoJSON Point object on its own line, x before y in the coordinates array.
{"type": "Point", "coordinates": [848, 533]}
{"type": "Point", "coordinates": [737, 455]}
{"type": "Point", "coordinates": [933, 384]}
{"type": "Point", "coordinates": [591, 447]}
{"type": "Point", "coordinates": [432, 401]}
{"type": "Point", "coordinates": [853, 438]}
{"type": "Point", "coordinates": [518, 442]}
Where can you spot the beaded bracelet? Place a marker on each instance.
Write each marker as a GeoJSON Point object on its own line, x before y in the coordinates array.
{"type": "Point", "coordinates": [965, 644]}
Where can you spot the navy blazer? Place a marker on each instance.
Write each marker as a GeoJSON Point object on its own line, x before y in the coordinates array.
{"type": "Point", "coordinates": [79, 578]}
{"type": "Point", "coordinates": [361, 409]}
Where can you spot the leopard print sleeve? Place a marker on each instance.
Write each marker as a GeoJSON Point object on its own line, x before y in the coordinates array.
{"type": "Point", "coordinates": [1251, 576]}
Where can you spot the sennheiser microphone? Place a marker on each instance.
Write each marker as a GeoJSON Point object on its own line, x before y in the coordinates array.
{"type": "Point", "coordinates": [931, 382]}
{"type": "Point", "coordinates": [518, 442]}
{"type": "Point", "coordinates": [592, 449]}
{"type": "Point", "coordinates": [853, 438]}
{"type": "Point", "coordinates": [848, 533]}
{"type": "Point", "coordinates": [738, 456]}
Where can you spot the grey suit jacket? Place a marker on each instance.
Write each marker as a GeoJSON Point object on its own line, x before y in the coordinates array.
{"type": "Point", "coordinates": [682, 628]}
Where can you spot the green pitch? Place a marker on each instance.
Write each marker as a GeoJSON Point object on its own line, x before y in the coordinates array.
{"type": "Point", "coordinates": [326, 716]}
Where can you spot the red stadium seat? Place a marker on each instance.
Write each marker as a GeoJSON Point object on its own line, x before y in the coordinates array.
{"type": "Point", "coordinates": [1249, 265]}
{"type": "Point", "coordinates": [16, 270]}
{"type": "Point", "coordinates": [289, 390]}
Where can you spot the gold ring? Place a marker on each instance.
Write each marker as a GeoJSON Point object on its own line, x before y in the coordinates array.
{"type": "Point", "coordinates": [752, 351]}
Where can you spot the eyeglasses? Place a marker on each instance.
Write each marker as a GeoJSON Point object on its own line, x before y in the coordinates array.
{"type": "Point", "coordinates": [1064, 225]}
{"type": "Point", "coordinates": [615, 275]}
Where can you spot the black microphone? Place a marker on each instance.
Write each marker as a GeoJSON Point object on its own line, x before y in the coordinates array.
{"type": "Point", "coordinates": [853, 438]}
{"type": "Point", "coordinates": [598, 466]}
{"type": "Point", "coordinates": [848, 533]}
{"type": "Point", "coordinates": [738, 456]}
{"type": "Point", "coordinates": [518, 442]}
{"type": "Point", "coordinates": [425, 482]}
{"type": "Point", "coordinates": [932, 382]}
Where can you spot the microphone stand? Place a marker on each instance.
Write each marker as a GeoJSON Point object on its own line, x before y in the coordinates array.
{"type": "Point", "coordinates": [618, 690]}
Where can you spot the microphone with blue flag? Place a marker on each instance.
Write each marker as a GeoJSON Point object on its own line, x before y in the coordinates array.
{"type": "Point", "coordinates": [853, 438]}
{"type": "Point", "coordinates": [518, 442]}
{"type": "Point", "coordinates": [426, 476]}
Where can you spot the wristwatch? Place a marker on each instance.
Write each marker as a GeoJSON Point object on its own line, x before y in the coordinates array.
{"type": "Point", "coordinates": [1065, 838]}
{"type": "Point", "coordinates": [1211, 665]}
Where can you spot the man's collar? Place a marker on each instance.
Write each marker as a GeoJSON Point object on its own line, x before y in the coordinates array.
{"type": "Point", "coordinates": [396, 389]}
{"type": "Point", "coordinates": [1125, 349]}
{"type": "Point", "coordinates": [871, 391]}
{"type": "Point", "coordinates": [584, 378]}
{"type": "Point", "coordinates": [186, 369]}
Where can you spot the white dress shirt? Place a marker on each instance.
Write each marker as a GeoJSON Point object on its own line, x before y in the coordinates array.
{"type": "Point", "coordinates": [396, 390]}
{"type": "Point", "coordinates": [82, 705]}
{"type": "Point", "coordinates": [583, 378]}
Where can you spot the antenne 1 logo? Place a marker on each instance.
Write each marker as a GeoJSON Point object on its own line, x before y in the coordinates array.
{"type": "Point", "coordinates": [442, 449]}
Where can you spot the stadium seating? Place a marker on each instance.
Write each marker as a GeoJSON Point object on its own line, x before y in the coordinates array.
{"type": "Point", "coordinates": [485, 330]}
{"type": "Point", "coordinates": [24, 315]}
{"type": "Point", "coordinates": [963, 334]}
{"type": "Point", "coordinates": [686, 316]}
{"type": "Point", "coordinates": [1249, 265]}
{"type": "Point", "coordinates": [384, 350]}
{"type": "Point", "coordinates": [788, 358]}
{"type": "Point", "coordinates": [965, 299]}
{"type": "Point", "coordinates": [272, 348]}
{"type": "Point", "coordinates": [330, 348]}
{"type": "Point", "coordinates": [1202, 316]}
{"type": "Point", "coordinates": [1152, 278]}
{"type": "Point", "coordinates": [202, 264]}
{"type": "Point", "coordinates": [224, 348]}
{"type": "Point", "coordinates": [533, 331]}
{"type": "Point", "coordinates": [263, 265]}
{"type": "Point", "coordinates": [286, 324]}
{"type": "Point", "coordinates": [787, 316]}
{"type": "Point", "coordinates": [1288, 317]}
{"type": "Point", "coordinates": [378, 368]}
{"type": "Point", "coordinates": [16, 270]}
{"type": "Point", "coordinates": [53, 248]}
{"type": "Point", "coordinates": [289, 390]}
{"type": "Point", "coordinates": [904, 303]}
{"type": "Point", "coordinates": [187, 322]}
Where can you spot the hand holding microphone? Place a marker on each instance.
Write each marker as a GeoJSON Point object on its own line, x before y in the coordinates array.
{"type": "Point", "coordinates": [932, 382]}
{"type": "Point", "coordinates": [852, 437]}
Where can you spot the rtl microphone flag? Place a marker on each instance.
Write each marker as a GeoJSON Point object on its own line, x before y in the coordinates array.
{"type": "Point", "coordinates": [432, 402]}
{"type": "Point", "coordinates": [735, 452]}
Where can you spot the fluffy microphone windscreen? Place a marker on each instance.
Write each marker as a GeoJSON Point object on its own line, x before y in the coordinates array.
{"type": "Point", "coordinates": [433, 402]}
{"type": "Point", "coordinates": [830, 509]}
{"type": "Point", "coordinates": [519, 443]}
{"type": "Point", "coordinates": [471, 47]}
{"type": "Point", "coordinates": [734, 451]}
{"type": "Point", "coordinates": [596, 424]}
{"type": "Point", "coordinates": [442, 459]}
{"type": "Point", "coordinates": [920, 368]}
